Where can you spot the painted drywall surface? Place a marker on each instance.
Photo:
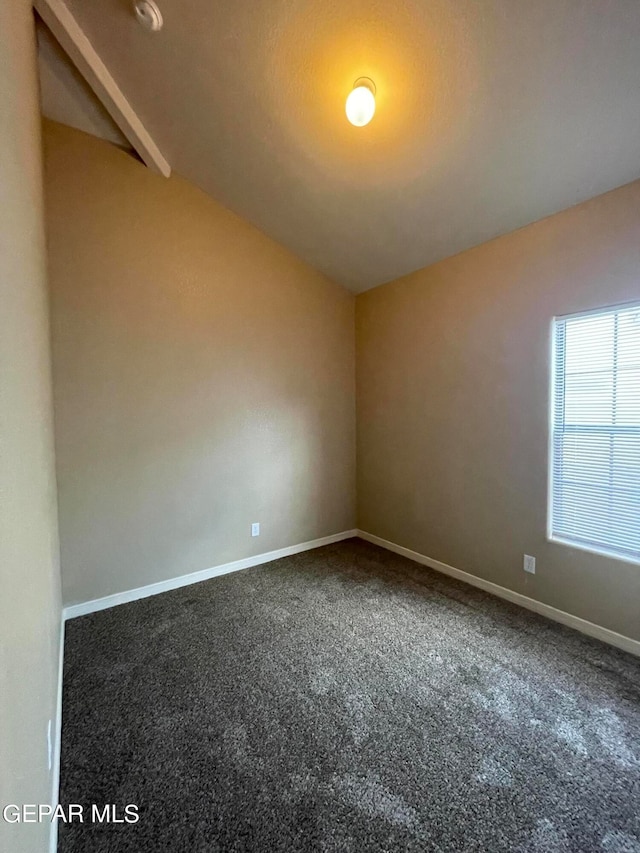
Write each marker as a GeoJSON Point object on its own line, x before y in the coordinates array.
{"type": "Point", "coordinates": [66, 97]}
{"type": "Point", "coordinates": [29, 571]}
{"type": "Point", "coordinates": [203, 378]}
{"type": "Point", "coordinates": [490, 114]}
{"type": "Point", "coordinates": [453, 404]}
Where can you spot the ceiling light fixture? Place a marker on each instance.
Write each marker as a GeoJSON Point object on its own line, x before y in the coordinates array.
{"type": "Point", "coordinates": [361, 102]}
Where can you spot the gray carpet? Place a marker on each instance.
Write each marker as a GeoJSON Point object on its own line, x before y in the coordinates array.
{"type": "Point", "coordinates": [347, 699]}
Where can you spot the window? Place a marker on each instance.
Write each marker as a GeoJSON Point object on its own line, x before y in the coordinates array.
{"type": "Point", "coordinates": [595, 432]}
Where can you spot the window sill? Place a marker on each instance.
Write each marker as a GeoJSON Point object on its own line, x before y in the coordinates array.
{"type": "Point", "coordinates": [594, 549]}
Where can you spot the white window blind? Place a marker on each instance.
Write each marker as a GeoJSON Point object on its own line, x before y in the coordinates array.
{"type": "Point", "coordinates": [595, 459]}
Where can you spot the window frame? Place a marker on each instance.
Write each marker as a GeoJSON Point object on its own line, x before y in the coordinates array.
{"type": "Point", "coordinates": [591, 548]}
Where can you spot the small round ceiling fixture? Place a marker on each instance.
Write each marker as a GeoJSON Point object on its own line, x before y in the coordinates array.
{"type": "Point", "coordinates": [148, 15]}
{"type": "Point", "coordinates": [361, 102]}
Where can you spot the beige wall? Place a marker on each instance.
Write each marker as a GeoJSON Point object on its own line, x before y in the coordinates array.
{"type": "Point", "coordinates": [453, 384]}
{"type": "Point", "coordinates": [203, 378]}
{"type": "Point", "coordinates": [29, 573]}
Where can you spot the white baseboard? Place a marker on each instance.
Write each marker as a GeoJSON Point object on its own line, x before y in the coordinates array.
{"type": "Point", "coordinates": [582, 625]}
{"type": "Point", "coordinates": [57, 744]}
{"type": "Point", "coordinates": [81, 609]}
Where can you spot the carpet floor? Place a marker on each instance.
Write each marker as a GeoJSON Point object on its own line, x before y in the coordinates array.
{"type": "Point", "coordinates": [347, 700]}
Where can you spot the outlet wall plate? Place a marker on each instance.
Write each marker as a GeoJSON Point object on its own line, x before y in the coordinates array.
{"type": "Point", "coordinates": [529, 564]}
{"type": "Point", "coordinates": [255, 528]}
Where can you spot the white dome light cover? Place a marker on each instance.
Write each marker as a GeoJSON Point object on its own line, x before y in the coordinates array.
{"type": "Point", "coordinates": [361, 102]}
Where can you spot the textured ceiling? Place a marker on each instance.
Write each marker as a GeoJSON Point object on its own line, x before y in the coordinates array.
{"type": "Point", "coordinates": [490, 114]}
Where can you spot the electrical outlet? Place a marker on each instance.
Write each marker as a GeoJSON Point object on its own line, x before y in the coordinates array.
{"type": "Point", "coordinates": [255, 528]}
{"type": "Point", "coordinates": [529, 564]}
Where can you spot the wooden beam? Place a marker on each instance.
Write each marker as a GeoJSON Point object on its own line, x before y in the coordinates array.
{"type": "Point", "coordinates": [81, 52]}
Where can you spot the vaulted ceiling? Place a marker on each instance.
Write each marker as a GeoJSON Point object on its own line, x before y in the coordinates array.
{"type": "Point", "coordinates": [490, 114]}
